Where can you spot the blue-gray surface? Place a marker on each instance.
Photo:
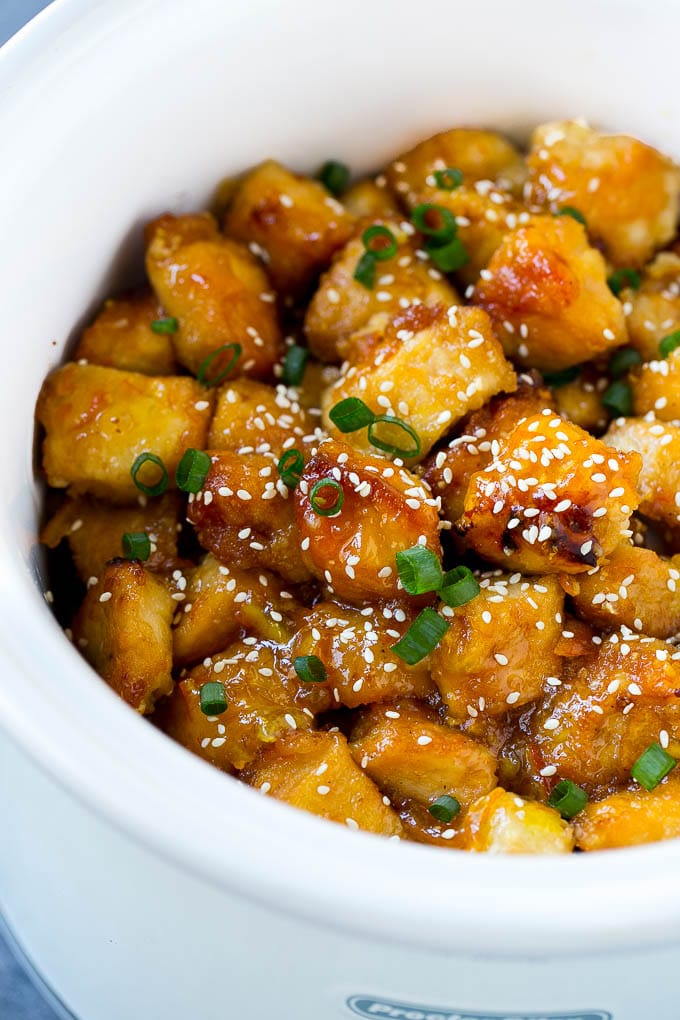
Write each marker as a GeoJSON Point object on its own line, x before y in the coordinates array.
{"type": "Point", "coordinates": [18, 998]}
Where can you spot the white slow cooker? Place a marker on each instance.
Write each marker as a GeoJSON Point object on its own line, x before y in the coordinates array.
{"type": "Point", "coordinates": [143, 884]}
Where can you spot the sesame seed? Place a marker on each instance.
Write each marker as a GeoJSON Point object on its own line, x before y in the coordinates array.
{"type": "Point", "coordinates": [424, 740]}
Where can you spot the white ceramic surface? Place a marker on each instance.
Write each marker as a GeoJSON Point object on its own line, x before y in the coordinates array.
{"type": "Point", "coordinates": [110, 113]}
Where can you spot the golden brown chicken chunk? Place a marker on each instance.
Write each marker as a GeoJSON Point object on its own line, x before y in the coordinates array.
{"type": "Point", "coordinates": [122, 336]}
{"type": "Point", "coordinates": [631, 817]}
{"type": "Point", "coordinates": [123, 630]}
{"type": "Point", "coordinates": [634, 587]}
{"type": "Point", "coordinates": [290, 221]}
{"type": "Point", "coordinates": [222, 603]}
{"type": "Point", "coordinates": [432, 367]}
{"type": "Point", "coordinates": [411, 755]}
{"type": "Point", "coordinates": [499, 651]}
{"type": "Point", "coordinates": [370, 198]}
{"type": "Point", "coordinates": [316, 772]}
{"type": "Point", "coordinates": [355, 647]}
{"type": "Point", "coordinates": [658, 443]}
{"type": "Point", "coordinates": [580, 401]}
{"type": "Point", "coordinates": [503, 823]}
{"type": "Point", "coordinates": [656, 388]}
{"type": "Point", "coordinates": [99, 420]}
{"type": "Point", "coordinates": [610, 706]}
{"type": "Point", "coordinates": [547, 294]}
{"type": "Point", "coordinates": [449, 470]}
{"type": "Point", "coordinates": [252, 417]}
{"type": "Point", "coordinates": [653, 310]}
{"type": "Point", "coordinates": [342, 305]}
{"type": "Point", "coordinates": [94, 531]}
{"type": "Point", "coordinates": [627, 191]}
{"type": "Point", "coordinates": [218, 292]}
{"type": "Point", "coordinates": [260, 708]}
{"type": "Point", "coordinates": [554, 499]}
{"type": "Point", "coordinates": [244, 516]}
{"type": "Point", "coordinates": [370, 510]}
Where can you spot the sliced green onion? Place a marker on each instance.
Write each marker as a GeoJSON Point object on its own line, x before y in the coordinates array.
{"type": "Point", "coordinates": [365, 270]}
{"type": "Point", "coordinates": [419, 570]}
{"type": "Point", "coordinates": [422, 637]}
{"type": "Point", "coordinates": [442, 231]}
{"type": "Point", "coordinates": [213, 699]}
{"type": "Point", "coordinates": [294, 364]}
{"type": "Point", "coordinates": [669, 344]}
{"type": "Point", "coordinates": [310, 669]}
{"type": "Point", "coordinates": [319, 500]}
{"type": "Point", "coordinates": [618, 399]}
{"type": "Point", "coordinates": [568, 798]}
{"type": "Point", "coordinates": [459, 587]}
{"type": "Point", "coordinates": [149, 490]}
{"type": "Point", "coordinates": [652, 766]}
{"type": "Point", "coordinates": [445, 808]}
{"type": "Point", "coordinates": [450, 256]}
{"type": "Point", "coordinates": [136, 545]}
{"type": "Point", "coordinates": [569, 210]}
{"type": "Point", "coordinates": [192, 470]}
{"type": "Point", "coordinates": [380, 242]}
{"type": "Point", "coordinates": [167, 325]}
{"type": "Point", "coordinates": [623, 360]}
{"type": "Point", "coordinates": [351, 414]}
{"type": "Point", "coordinates": [290, 467]}
{"type": "Point", "coordinates": [621, 278]}
{"type": "Point", "coordinates": [401, 426]}
{"type": "Point", "coordinates": [203, 375]}
{"type": "Point", "coordinates": [449, 179]}
{"type": "Point", "coordinates": [334, 176]}
{"type": "Point", "coordinates": [566, 375]}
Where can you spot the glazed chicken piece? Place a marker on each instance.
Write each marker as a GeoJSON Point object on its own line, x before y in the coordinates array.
{"type": "Point", "coordinates": [123, 336]}
{"type": "Point", "coordinates": [252, 417]}
{"type": "Point", "coordinates": [218, 292]}
{"type": "Point", "coordinates": [123, 630]}
{"type": "Point", "coordinates": [627, 191]}
{"type": "Point", "coordinates": [631, 817]}
{"type": "Point", "coordinates": [546, 291]}
{"type": "Point", "coordinates": [656, 388]}
{"type": "Point", "coordinates": [503, 823]}
{"type": "Point", "coordinates": [658, 444]}
{"type": "Point", "coordinates": [290, 221]}
{"type": "Point", "coordinates": [653, 308]}
{"type": "Point", "coordinates": [371, 198]}
{"type": "Point", "coordinates": [316, 772]}
{"type": "Point", "coordinates": [554, 499]}
{"type": "Point", "coordinates": [431, 367]}
{"type": "Point", "coordinates": [98, 420]}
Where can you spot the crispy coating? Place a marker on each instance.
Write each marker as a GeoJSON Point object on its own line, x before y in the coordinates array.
{"type": "Point", "coordinates": [627, 191]}
{"type": "Point", "coordinates": [503, 823]}
{"type": "Point", "coordinates": [611, 705]}
{"type": "Point", "coordinates": [631, 817]}
{"type": "Point", "coordinates": [433, 366]}
{"type": "Point", "coordinates": [216, 289]}
{"type": "Point", "coordinates": [653, 311]}
{"type": "Point", "coordinates": [411, 755]}
{"type": "Point", "coordinates": [479, 155]}
{"type": "Point", "coordinates": [261, 707]}
{"type": "Point", "coordinates": [94, 531]}
{"type": "Point", "coordinates": [547, 294]}
{"type": "Point", "coordinates": [554, 499]}
{"type": "Point", "coordinates": [223, 603]}
{"type": "Point", "coordinates": [244, 516]}
{"type": "Point", "coordinates": [369, 198]}
{"type": "Point", "coordinates": [656, 388]}
{"type": "Point", "coordinates": [355, 646]}
{"type": "Point", "coordinates": [98, 420]}
{"type": "Point", "coordinates": [291, 221]}
{"type": "Point", "coordinates": [316, 772]}
{"type": "Point", "coordinates": [386, 509]}
{"type": "Point", "coordinates": [499, 651]}
{"type": "Point", "coordinates": [121, 337]}
{"type": "Point", "coordinates": [252, 416]}
{"type": "Point", "coordinates": [580, 401]}
{"type": "Point", "coordinates": [658, 444]}
{"type": "Point", "coordinates": [342, 305]}
{"type": "Point", "coordinates": [123, 630]}
{"type": "Point", "coordinates": [449, 470]}
{"type": "Point", "coordinates": [635, 587]}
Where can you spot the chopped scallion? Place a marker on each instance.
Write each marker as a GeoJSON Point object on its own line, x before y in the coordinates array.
{"type": "Point", "coordinates": [623, 360]}
{"type": "Point", "coordinates": [160, 486]}
{"type": "Point", "coordinates": [351, 414]}
{"type": "Point", "coordinates": [294, 364]}
{"type": "Point", "coordinates": [290, 467]}
{"type": "Point", "coordinates": [622, 278]}
{"type": "Point", "coordinates": [220, 355]}
{"type": "Point", "coordinates": [166, 325]}
{"type": "Point", "coordinates": [327, 497]}
{"type": "Point", "coordinates": [310, 669]}
{"type": "Point", "coordinates": [212, 698]}
{"type": "Point", "coordinates": [669, 344]}
{"type": "Point", "coordinates": [419, 570]}
{"type": "Point", "coordinates": [136, 545]}
{"type": "Point", "coordinates": [449, 179]}
{"type": "Point", "coordinates": [422, 637]}
{"type": "Point", "coordinates": [652, 766]}
{"type": "Point", "coordinates": [334, 176]}
{"type": "Point", "coordinates": [618, 399]}
{"type": "Point", "coordinates": [568, 798]}
{"type": "Point", "coordinates": [192, 470]}
{"type": "Point", "coordinates": [459, 586]}
{"type": "Point", "coordinates": [445, 808]}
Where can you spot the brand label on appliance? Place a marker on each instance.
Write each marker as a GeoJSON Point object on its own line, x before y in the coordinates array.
{"type": "Point", "coordinates": [367, 1006]}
